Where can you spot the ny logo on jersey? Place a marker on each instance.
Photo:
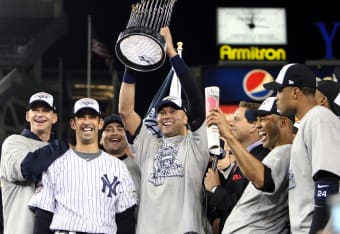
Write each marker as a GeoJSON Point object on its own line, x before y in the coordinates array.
{"type": "Point", "coordinates": [111, 186]}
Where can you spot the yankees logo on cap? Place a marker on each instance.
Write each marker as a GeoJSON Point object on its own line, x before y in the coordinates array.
{"type": "Point", "coordinates": [42, 97]}
{"type": "Point", "coordinates": [86, 103]}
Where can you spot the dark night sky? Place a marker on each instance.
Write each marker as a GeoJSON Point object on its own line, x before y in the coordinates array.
{"type": "Point", "coordinates": [193, 23]}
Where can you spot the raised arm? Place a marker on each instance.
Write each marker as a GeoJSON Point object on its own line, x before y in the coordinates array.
{"type": "Point", "coordinates": [196, 107]}
{"type": "Point", "coordinates": [126, 106]}
{"type": "Point", "coordinates": [250, 166]}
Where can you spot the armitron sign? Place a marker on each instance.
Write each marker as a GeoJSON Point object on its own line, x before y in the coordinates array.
{"type": "Point", "coordinates": [252, 53]}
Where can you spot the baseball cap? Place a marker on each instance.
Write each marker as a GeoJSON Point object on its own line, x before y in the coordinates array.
{"type": "Point", "coordinates": [86, 103]}
{"type": "Point", "coordinates": [42, 97]}
{"type": "Point", "coordinates": [293, 74]}
{"type": "Point", "coordinates": [172, 101]}
{"type": "Point", "coordinates": [113, 118]}
{"type": "Point", "coordinates": [331, 90]}
{"type": "Point", "coordinates": [267, 107]}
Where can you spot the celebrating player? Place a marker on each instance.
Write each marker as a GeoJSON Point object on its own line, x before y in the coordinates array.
{"type": "Point", "coordinates": [172, 167]}
{"type": "Point", "coordinates": [23, 158]}
{"type": "Point", "coordinates": [314, 165]}
{"type": "Point", "coordinates": [85, 189]}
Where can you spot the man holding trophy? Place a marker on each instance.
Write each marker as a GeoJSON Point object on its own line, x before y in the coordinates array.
{"type": "Point", "coordinates": [172, 167]}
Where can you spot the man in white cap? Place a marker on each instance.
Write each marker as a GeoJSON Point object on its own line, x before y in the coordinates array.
{"type": "Point", "coordinates": [173, 166]}
{"type": "Point", "coordinates": [85, 189]}
{"type": "Point", "coordinates": [314, 165]}
{"type": "Point", "coordinates": [23, 159]}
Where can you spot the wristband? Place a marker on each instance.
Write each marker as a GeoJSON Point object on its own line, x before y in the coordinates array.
{"type": "Point", "coordinates": [129, 76]}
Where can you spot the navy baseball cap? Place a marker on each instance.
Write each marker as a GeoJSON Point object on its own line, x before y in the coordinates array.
{"type": "Point", "coordinates": [267, 107]}
{"type": "Point", "coordinates": [293, 74]}
{"type": "Point", "coordinates": [331, 90]}
{"type": "Point", "coordinates": [42, 98]}
{"type": "Point", "coordinates": [172, 101]}
{"type": "Point", "coordinates": [113, 118]}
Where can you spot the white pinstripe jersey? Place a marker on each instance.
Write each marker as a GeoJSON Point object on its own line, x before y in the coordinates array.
{"type": "Point", "coordinates": [85, 195]}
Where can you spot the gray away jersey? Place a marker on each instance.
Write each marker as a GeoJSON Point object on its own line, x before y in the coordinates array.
{"type": "Point", "coordinates": [16, 191]}
{"type": "Point", "coordinates": [259, 212]}
{"type": "Point", "coordinates": [315, 147]}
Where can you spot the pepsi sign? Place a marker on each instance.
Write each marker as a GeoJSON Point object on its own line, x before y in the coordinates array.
{"type": "Point", "coordinates": [240, 83]}
{"type": "Point", "coordinates": [253, 84]}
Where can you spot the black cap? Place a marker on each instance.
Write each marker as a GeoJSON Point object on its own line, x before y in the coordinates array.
{"type": "Point", "coordinates": [331, 90]}
{"type": "Point", "coordinates": [113, 118]}
{"type": "Point", "coordinates": [267, 107]}
{"type": "Point", "coordinates": [293, 74]}
{"type": "Point", "coordinates": [172, 101]}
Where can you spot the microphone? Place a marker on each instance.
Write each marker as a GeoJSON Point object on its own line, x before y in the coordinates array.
{"type": "Point", "coordinates": [216, 157]}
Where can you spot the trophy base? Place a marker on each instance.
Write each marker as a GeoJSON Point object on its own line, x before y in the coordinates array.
{"type": "Point", "coordinates": [141, 49]}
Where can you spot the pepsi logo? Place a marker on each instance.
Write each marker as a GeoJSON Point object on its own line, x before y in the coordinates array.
{"type": "Point", "coordinates": [253, 84]}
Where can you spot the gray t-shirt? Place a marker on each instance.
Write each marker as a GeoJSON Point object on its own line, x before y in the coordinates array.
{"type": "Point", "coordinates": [261, 212]}
{"type": "Point", "coordinates": [172, 171]}
{"type": "Point", "coordinates": [134, 172]}
{"type": "Point", "coordinates": [315, 148]}
{"type": "Point", "coordinates": [16, 191]}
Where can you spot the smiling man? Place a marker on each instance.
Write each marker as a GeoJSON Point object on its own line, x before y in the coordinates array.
{"type": "Point", "coordinates": [172, 167]}
{"type": "Point", "coordinates": [23, 158]}
{"type": "Point", "coordinates": [263, 205]}
{"type": "Point", "coordinates": [85, 189]}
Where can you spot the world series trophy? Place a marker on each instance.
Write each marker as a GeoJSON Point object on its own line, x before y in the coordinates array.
{"type": "Point", "coordinates": [140, 46]}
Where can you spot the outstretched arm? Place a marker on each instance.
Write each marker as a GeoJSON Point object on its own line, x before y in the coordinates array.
{"type": "Point", "coordinates": [126, 106]}
{"type": "Point", "coordinates": [196, 107]}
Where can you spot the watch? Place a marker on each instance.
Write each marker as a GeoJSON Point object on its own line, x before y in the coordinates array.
{"type": "Point", "coordinates": [213, 189]}
{"type": "Point", "coordinates": [251, 26]}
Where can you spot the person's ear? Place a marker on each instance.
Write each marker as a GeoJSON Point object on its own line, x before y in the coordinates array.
{"type": "Point", "coordinates": [72, 124]}
{"type": "Point", "coordinates": [54, 118]}
{"type": "Point", "coordinates": [101, 124]}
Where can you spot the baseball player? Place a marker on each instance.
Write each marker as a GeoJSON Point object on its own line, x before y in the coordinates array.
{"type": "Point", "coordinates": [23, 159]}
{"type": "Point", "coordinates": [328, 94]}
{"type": "Point", "coordinates": [113, 141]}
{"type": "Point", "coordinates": [85, 189]}
{"type": "Point", "coordinates": [172, 167]}
{"type": "Point", "coordinates": [314, 165]}
{"type": "Point", "coordinates": [263, 205]}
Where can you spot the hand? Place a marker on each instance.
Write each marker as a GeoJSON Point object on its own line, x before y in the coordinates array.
{"type": "Point", "coordinates": [211, 179]}
{"type": "Point", "coordinates": [170, 49]}
{"type": "Point", "coordinates": [216, 116]}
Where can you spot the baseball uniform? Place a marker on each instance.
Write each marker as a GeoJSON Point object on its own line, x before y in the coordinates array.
{"type": "Point", "coordinates": [315, 148]}
{"type": "Point", "coordinates": [85, 191]}
{"type": "Point", "coordinates": [264, 212]}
